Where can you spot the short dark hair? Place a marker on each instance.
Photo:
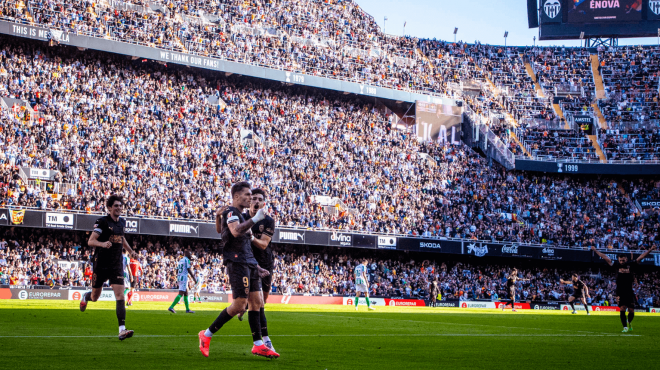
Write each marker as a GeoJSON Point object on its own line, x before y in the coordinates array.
{"type": "Point", "coordinates": [112, 199]}
{"type": "Point", "coordinates": [260, 191]}
{"type": "Point", "coordinates": [576, 274]}
{"type": "Point", "coordinates": [239, 186]}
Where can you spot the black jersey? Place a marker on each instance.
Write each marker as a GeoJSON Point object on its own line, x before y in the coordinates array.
{"type": "Point", "coordinates": [236, 249]}
{"type": "Point", "coordinates": [510, 284]}
{"type": "Point", "coordinates": [578, 287]}
{"type": "Point", "coordinates": [625, 276]}
{"type": "Point", "coordinates": [266, 226]}
{"type": "Point", "coordinates": [109, 230]}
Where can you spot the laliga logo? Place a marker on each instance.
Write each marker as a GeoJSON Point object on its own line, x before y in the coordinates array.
{"type": "Point", "coordinates": [552, 8]}
{"type": "Point", "coordinates": [654, 5]}
{"type": "Point", "coordinates": [560, 167]}
{"type": "Point", "coordinates": [478, 251]}
{"type": "Point", "coordinates": [288, 76]}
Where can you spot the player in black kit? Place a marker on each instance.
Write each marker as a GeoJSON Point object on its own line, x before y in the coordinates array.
{"type": "Point", "coordinates": [625, 279]}
{"type": "Point", "coordinates": [108, 241]}
{"type": "Point", "coordinates": [242, 268]}
{"type": "Point", "coordinates": [262, 233]}
{"type": "Point", "coordinates": [511, 288]}
{"type": "Point", "coordinates": [580, 292]}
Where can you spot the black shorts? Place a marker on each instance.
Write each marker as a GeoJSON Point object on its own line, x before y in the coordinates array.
{"type": "Point", "coordinates": [267, 282]}
{"type": "Point", "coordinates": [512, 294]}
{"type": "Point", "coordinates": [243, 279]}
{"type": "Point", "coordinates": [579, 295]}
{"type": "Point", "coordinates": [100, 276]}
{"type": "Point", "coordinates": [627, 299]}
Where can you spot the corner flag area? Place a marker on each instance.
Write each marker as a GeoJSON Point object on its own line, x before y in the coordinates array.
{"type": "Point", "coordinates": [56, 335]}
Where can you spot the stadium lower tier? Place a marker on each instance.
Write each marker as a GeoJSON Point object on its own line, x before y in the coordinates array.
{"type": "Point", "coordinates": [62, 260]}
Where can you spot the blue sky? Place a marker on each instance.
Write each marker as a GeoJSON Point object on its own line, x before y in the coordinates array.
{"type": "Point", "coordinates": [477, 20]}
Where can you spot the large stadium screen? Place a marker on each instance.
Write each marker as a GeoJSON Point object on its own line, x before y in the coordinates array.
{"type": "Point", "coordinates": [438, 122]}
{"type": "Point", "coordinates": [591, 11]}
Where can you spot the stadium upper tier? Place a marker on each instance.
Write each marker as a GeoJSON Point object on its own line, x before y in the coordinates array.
{"type": "Point", "coordinates": [533, 94]}
{"type": "Point", "coordinates": [174, 139]}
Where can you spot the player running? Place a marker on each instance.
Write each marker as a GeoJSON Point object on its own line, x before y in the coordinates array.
{"type": "Point", "coordinates": [624, 284]}
{"type": "Point", "coordinates": [361, 284]}
{"type": "Point", "coordinates": [108, 241]}
{"type": "Point", "coordinates": [242, 268]}
{"type": "Point", "coordinates": [511, 288]}
{"type": "Point", "coordinates": [183, 269]}
{"type": "Point", "coordinates": [128, 278]}
{"type": "Point", "coordinates": [580, 292]}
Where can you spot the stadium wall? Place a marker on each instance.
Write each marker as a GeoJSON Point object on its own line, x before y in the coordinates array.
{"type": "Point", "coordinates": [167, 56]}
{"type": "Point", "coordinates": [206, 230]}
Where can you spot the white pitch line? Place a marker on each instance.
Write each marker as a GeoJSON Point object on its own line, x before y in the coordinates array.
{"type": "Point", "coordinates": [338, 335]}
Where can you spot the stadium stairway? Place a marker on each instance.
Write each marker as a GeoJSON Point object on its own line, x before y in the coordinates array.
{"type": "Point", "coordinates": [600, 91]}
{"type": "Point", "coordinates": [596, 145]}
{"type": "Point", "coordinates": [532, 75]}
{"type": "Point", "coordinates": [598, 79]}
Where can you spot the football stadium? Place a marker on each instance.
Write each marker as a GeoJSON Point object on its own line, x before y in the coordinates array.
{"type": "Point", "coordinates": [253, 184]}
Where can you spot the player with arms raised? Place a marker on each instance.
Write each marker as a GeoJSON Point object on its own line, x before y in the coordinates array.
{"type": "Point", "coordinates": [183, 269]}
{"type": "Point", "coordinates": [625, 279]}
{"type": "Point", "coordinates": [362, 284]}
{"type": "Point", "coordinates": [511, 288]}
{"type": "Point", "coordinates": [108, 241]}
{"type": "Point", "coordinates": [580, 292]}
{"type": "Point", "coordinates": [242, 268]}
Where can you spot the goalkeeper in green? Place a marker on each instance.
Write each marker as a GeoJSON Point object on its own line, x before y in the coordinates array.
{"type": "Point", "coordinates": [361, 284]}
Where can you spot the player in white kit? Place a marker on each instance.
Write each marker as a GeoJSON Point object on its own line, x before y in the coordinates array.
{"type": "Point", "coordinates": [201, 278]}
{"type": "Point", "coordinates": [183, 269]}
{"type": "Point", "coordinates": [362, 284]}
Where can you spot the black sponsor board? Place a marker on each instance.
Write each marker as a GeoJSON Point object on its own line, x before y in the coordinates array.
{"type": "Point", "coordinates": [4, 217]}
{"type": "Point", "coordinates": [544, 306]}
{"type": "Point", "coordinates": [429, 245]}
{"type": "Point", "coordinates": [340, 239]}
{"type": "Point", "coordinates": [590, 168]}
{"type": "Point", "coordinates": [23, 294]}
{"type": "Point", "coordinates": [364, 241]}
{"type": "Point", "coordinates": [154, 227]}
{"type": "Point", "coordinates": [603, 11]}
{"type": "Point", "coordinates": [316, 238]}
{"type": "Point", "coordinates": [289, 236]}
{"type": "Point", "coordinates": [649, 203]}
{"type": "Point", "coordinates": [208, 231]}
{"type": "Point", "coordinates": [386, 242]}
{"type": "Point", "coordinates": [86, 223]}
{"type": "Point", "coordinates": [181, 228]}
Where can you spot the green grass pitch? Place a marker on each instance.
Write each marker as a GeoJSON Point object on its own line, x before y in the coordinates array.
{"type": "Point", "coordinates": [56, 335]}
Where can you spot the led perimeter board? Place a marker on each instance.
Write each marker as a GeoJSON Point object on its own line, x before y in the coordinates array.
{"type": "Point", "coordinates": [567, 19]}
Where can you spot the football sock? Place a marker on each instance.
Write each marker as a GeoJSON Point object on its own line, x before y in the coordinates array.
{"type": "Point", "coordinates": [176, 300]}
{"type": "Point", "coordinates": [88, 297]}
{"type": "Point", "coordinates": [631, 316]}
{"type": "Point", "coordinates": [219, 321]}
{"type": "Point", "coordinates": [255, 325]}
{"type": "Point", "coordinates": [122, 328]}
{"type": "Point", "coordinates": [125, 291]}
{"type": "Point", "coordinates": [185, 301]}
{"type": "Point", "coordinates": [572, 303]}
{"type": "Point", "coordinates": [622, 315]}
{"type": "Point", "coordinates": [121, 312]}
{"type": "Point", "coordinates": [266, 338]}
{"type": "Point", "coordinates": [264, 329]}
{"type": "Point", "coordinates": [356, 300]}
{"type": "Point", "coordinates": [368, 303]}
{"type": "Point", "coordinates": [586, 307]}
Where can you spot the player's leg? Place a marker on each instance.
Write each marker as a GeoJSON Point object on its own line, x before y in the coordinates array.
{"type": "Point", "coordinates": [177, 299]}
{"type": "Point", "coordinates": [185, 302]}
{"type": "Point", "coordinates": [357, 297]}
{"type": "Point", "coordinates": [265, 290]}
{"type": "Point", "coordinates": [584, 302]}
{"type": "Point", "coordinates": [366, 296]}
{"type": "Point", "coordinates": [255, 308]}
{"type": "Point", "coordinates": [622, 316]}
{"type": "Point", "coordinates": [571, 301]}
{"type": "Point", "coordinates": [631, 316]}
{"type": "Point", "coordinates": [239, 281]}
{"type": "Point", "coordinates": [98, 278]}
{"type": "Point", "coordinates": [120, 308]}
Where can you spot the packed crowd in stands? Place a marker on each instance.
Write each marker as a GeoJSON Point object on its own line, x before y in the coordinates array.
{"type": "Point", "coordinates": [61, 259]}
{"type": "Point", "coordinates": [175, 139]}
